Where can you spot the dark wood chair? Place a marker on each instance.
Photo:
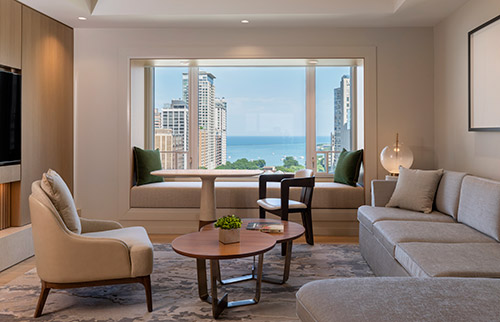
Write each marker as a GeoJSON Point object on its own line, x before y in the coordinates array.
{"type": "Point", "coordinates": [284, 205]}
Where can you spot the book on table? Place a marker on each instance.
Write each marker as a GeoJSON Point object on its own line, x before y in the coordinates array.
{"type": "Point", "coordinates": [268, 227]}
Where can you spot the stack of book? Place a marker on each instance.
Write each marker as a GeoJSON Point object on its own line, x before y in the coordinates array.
{"type": "Point", "coordinates": [269, 227]}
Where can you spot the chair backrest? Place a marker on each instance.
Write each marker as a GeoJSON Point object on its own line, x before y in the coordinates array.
{"type": "Point", "coordinates": [304, 173]}
{"type": "Point", "coordinates": [307, 192]}
{"type": "Point", "coordinates": [50, 234]}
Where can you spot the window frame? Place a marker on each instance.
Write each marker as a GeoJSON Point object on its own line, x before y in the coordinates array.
{"type": "Point", "coordinates": [310, 103]}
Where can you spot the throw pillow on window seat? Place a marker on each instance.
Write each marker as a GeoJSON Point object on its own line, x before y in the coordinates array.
{"type": "Point", "coordinates": [146, 161]}
{"type": "Point", "coordinates": [415, 189]}
{"type": "Point", "coordinates": [348, 165]}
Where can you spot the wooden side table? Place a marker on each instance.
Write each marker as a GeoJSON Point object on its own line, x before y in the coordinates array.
{"type": "Point", "coordinates": [207, 202]}
{"type": "Point", "coordinates": [205, 245]}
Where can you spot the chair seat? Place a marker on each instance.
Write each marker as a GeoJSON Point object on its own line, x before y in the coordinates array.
{"type": "Point", "coordinates": [275, 204]}
{"type": "Point", "coordinates": [137, 240]}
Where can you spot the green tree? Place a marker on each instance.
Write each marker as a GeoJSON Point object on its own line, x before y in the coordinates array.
{"type": "Point", "coordinates": [290, 162]}
{"type": "Point", "coordinates": [243, 164]}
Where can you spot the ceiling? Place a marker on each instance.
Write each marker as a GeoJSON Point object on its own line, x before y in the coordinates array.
{"type": "Point", "coordinates": [260, 13]}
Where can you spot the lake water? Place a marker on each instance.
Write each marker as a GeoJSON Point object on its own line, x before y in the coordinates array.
{"type": "Point", "coordinates": [272, 149]}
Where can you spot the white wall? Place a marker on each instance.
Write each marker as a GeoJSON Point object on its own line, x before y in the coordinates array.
{"type": "Point", "coordinates": [402, 83]}
{"type": "Point", "coordinates": [456, 148]}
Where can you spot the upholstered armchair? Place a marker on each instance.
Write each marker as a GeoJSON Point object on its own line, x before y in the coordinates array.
{"type": "Point", "coordinates": [96, 252]}
{"type": "Point", "coordinates": [284, 205]}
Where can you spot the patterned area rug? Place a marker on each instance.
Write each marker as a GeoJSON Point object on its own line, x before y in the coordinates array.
{"type": "Point", "coordinates": [175, 291]}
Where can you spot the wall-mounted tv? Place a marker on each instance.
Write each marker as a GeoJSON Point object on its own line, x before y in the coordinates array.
{"type": "Point", "coordinates": [10, 118]}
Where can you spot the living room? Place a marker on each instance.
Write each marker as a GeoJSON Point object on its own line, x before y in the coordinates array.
{"type": "Point", "coordinates": [84, 102]}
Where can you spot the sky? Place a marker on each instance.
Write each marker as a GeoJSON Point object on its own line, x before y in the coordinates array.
{"type": "Point", "coordinates": [262, 101]}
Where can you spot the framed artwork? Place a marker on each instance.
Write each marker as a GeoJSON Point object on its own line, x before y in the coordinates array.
{"type": "Point", "coordinates": [484, 77]}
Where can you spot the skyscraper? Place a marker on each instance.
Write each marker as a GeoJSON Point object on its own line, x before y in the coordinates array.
{"type": "Point", "coordinates": [176, 118]}
{"type": "Point", "coordinates": [220, 130]}
{"type": "Point", "coordinates": [164, 142]}
{"type": "Point", "coordinates": [211, 121]}
{"type": "Point", "coordinates": [342, 137]}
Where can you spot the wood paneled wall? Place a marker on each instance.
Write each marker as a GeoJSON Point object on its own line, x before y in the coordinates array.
{"type": "Point", "coordinates": [47, 103]}
{"type": "Point", "coordinates": [10, 33]}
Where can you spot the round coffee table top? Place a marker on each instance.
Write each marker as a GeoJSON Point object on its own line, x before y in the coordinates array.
{"type": "Point", "coordinates": [291, 230]}
{"type": "Point", "coordinates": [206, 245]}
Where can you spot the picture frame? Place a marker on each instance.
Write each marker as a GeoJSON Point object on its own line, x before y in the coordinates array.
{"type": "Point", "coordinates": [484, 73]}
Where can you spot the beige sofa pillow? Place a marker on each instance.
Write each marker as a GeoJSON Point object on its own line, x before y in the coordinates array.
{"type": "Point", "coordinates": [58, 192]}
{"type": "Point", "coordinates": [415, 189]}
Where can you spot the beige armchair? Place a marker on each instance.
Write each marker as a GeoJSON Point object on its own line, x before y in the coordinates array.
{"type": "Point", "coordinates": [104, 253]}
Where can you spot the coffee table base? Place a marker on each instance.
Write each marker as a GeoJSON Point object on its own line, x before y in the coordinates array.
{"type": "Point", "coordinates": [253, 275]}
{"type": "Point", "coordinates": [218, 306]}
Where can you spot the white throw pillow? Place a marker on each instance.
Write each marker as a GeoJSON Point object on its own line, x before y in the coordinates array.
{"type": "Point", "coordinates": [415, 189]}
{"type": "Point", "coordinates": [58, 192]}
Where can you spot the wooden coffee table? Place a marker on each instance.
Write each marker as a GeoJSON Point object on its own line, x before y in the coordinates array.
{"type": "Point", "coordinates": [205, 245]}
{"type": "Point", "coordinates": [291, 231]}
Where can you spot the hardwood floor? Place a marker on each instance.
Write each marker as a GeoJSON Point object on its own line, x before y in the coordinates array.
{"type": "Point", "coordinates": [19, 269]}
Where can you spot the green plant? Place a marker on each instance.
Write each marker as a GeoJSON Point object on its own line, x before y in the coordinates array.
{"type": "Point", "coordinates": [228, 222]}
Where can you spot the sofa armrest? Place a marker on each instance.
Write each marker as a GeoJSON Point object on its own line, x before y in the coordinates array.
{"type": "Point", "coordinates": [93, 225]}
{"type": "Point", "coordinates": [382, 191]}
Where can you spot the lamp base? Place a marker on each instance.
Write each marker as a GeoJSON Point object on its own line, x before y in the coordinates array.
{"type": "Point", "coordinates": [391, 177]}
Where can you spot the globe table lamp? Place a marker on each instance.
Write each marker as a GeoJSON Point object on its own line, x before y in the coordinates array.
{"type": "Point", "coordinates": [394, 156]}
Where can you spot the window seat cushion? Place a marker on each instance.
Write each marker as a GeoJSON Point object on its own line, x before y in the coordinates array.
{"type": "Point", "coordinates": [239, 195]}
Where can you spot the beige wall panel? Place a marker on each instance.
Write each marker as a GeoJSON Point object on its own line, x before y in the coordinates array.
{"type": "Point", "coordinates": [10, 33]}
{"type": "Point", "coordinates": [456, 148]}
{"type": "Point", "coordinates": [47, 103]}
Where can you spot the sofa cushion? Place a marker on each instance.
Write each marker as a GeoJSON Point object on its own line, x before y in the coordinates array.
{"type": "Point", "coordinates": [415, 189]}
{"type": "Point", "coordinates": [244, 194]}
{"type": "Point", "coordinates": [450, 260]}
{"type": "Point", "coordinates": [60, 196]}
{"type": "Point", "coordinates": [448, 192]}
{"type": "Point", "coordinates": [480, 205]}
{"type": "Point", "coordinates": [367, 216]}
{"type": "Point", "coordinates": [391, 233]}
{"type": "Point", "coordinates": [140, 247]}
{"type": "Point", "coordinates": [399, 299]}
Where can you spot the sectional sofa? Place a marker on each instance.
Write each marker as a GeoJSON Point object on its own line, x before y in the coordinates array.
{"type": "Point", "coordinates": [458, 239]}
{"type": "Point", "coordinates": [451, 254]}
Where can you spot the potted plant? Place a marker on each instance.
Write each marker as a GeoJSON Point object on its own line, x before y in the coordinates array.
{"type": "Point", "coordinates": [229, 229]}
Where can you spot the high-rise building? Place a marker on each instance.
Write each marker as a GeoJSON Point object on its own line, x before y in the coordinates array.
{"type": "Point", "coordinates": [342, 137]}
{"type": "Point", "coordinates": [211, 121]}
{"type": "Point", "coordinates": [164, 141]}
{"type": "Point", "coordinates": [175, 117]}
{"type": "Point", "coordinates": [158, 119]}
{"type": "Point", "coordinates": [220, 131]}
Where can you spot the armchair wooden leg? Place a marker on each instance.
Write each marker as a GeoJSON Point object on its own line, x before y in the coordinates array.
{"type": "Point", "coordinates": [41, 300]}
{"type": "Point", "coordinates": [146, 281]}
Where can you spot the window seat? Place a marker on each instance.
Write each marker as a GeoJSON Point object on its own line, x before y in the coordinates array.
{"type": "Point", "coordinates": [240, 195]}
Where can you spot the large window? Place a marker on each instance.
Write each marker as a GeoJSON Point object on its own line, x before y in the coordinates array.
{"type": "Point", "coordinates": [253, 115]}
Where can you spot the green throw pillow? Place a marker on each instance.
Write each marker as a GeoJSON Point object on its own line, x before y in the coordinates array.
{"type": "Point", "coordinates": [347, 170]}
{"type": "Point", "coordinates": [145, 162]}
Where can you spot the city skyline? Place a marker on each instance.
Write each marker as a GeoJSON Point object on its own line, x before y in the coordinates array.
{"type": "Point", "coordinates": [251, 92]}
{"type": "Point", "coordinates": [333, 104]}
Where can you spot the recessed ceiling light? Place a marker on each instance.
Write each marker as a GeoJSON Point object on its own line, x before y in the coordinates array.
{"type": "Point", "coordinates": [82, 18]}
{"type": "Point", "coordinates": [245, 21]}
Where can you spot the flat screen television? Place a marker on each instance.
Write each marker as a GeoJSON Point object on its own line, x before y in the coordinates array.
{"type": "Point", "coordinates": [10, 118]}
